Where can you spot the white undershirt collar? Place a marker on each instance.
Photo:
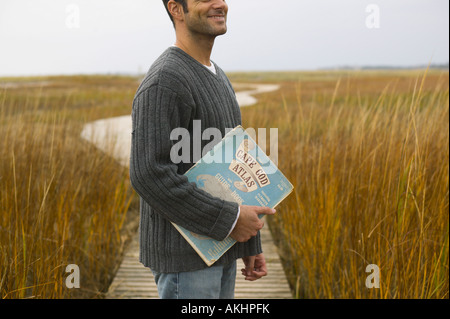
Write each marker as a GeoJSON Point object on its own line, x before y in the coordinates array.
{"type": "Point", "coordinates": [212, 68]}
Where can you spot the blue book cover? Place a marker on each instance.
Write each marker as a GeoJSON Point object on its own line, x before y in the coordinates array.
{"type": "Point", "coordinates": [235, 170]}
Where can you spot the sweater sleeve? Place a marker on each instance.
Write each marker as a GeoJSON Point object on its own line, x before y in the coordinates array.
{"type": "Point", "coordinates": [156, 112]}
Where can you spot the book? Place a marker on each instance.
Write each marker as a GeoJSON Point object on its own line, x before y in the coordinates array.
{"type": "Point", "coordinates": [237, 170]}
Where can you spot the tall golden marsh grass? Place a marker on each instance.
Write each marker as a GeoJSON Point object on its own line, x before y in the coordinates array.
{"type": "Point", "coordinates": [62, 201]}
{"type": "Point", "coordinates": [368, 155]}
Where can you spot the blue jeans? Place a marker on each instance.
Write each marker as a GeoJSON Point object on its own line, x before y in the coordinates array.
{"type": "Point", "coordinates": [215, 282]}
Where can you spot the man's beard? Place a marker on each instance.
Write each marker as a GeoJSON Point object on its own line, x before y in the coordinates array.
{"type": "Point", "coordinates": [204, 28]}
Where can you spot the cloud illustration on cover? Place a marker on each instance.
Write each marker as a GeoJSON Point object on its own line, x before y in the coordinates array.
{"type": "Point", "coordinates": [210, 184]}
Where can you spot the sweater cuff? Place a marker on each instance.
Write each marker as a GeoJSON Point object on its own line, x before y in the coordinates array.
{"type": "Point", "coordinates": [225, 221]}
{"type": "Point", "coordinates": [235, 222]}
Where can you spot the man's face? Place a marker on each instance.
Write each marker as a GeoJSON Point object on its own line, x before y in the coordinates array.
{"type": "Point", "coordinates": [207, 17]}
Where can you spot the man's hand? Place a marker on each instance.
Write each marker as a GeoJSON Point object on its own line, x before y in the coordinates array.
{"type": "Point", "coordinates": [248, 223]}
{"type": "Point", "coordinates": [255, 267]}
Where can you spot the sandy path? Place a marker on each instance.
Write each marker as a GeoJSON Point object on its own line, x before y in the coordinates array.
{"type": "Point", "coordinates": [246, 98]}
{"type": "Point", "coordinates": [112, 135]}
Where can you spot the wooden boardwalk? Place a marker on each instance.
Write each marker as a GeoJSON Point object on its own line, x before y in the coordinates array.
{"type": "Point", "coordinates": [134, 281]}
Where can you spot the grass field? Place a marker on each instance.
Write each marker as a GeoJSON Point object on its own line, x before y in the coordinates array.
{"type": "Point", "coordinates": [367, 153]}
{"type": "Point", "coordinates": [62, 201]}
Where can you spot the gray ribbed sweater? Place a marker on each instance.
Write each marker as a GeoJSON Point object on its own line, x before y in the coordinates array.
{"type": "Point", "coordinates": [176, 91]}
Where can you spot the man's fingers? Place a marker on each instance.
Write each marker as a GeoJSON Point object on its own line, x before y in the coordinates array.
{"type": "Point", "coordinates": [255, 275]}
{"type": "Point", "coordinates": [260, 274]}
{"type": "Point", "coordinates": [248, 223]}
{"type": "Point", "coordinates": [265, 210]}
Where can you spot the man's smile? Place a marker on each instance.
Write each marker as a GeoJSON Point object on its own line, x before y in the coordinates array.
{"type": "Point", "coordinates": [217, 17]}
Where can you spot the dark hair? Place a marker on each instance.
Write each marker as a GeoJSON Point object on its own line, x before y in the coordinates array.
{"type": "Point", "coordinates": [182, 2]}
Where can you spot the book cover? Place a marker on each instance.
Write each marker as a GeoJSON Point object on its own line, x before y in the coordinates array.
{"type": "Point", "coordinates": [235, 170]}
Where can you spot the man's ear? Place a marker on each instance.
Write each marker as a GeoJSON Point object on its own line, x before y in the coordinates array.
{"type": "Point", "coordinates": [175, 9]}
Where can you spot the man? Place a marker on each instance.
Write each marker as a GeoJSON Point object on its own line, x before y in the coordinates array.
{"type": "Point", "coordinates": [183, 85]}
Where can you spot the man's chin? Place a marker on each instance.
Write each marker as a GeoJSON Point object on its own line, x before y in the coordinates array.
{"type": "Point", "coordinates": [221, 31]}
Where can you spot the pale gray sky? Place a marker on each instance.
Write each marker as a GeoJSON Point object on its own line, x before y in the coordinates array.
{"type": "Point", "coordinates": [40, 37]}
